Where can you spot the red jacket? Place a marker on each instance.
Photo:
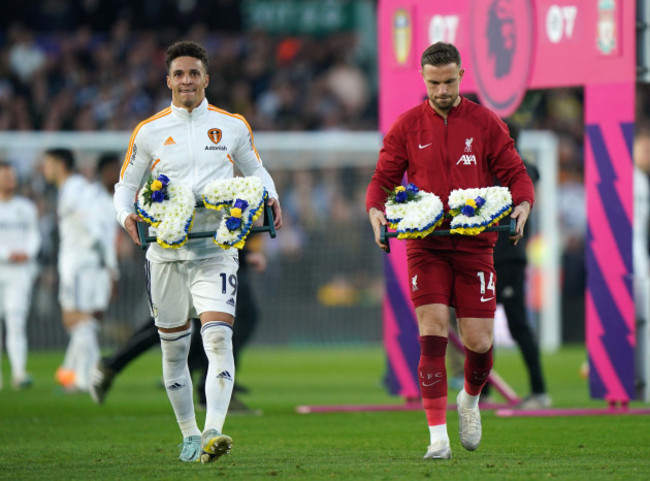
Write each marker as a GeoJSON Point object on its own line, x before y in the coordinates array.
{"type": "Point", "coordinates": [467, 150]}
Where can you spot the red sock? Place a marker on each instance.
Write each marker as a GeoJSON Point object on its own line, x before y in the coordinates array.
{"type": "Point", "coordinates": [477, 370]}
{"type": "Point", "coordinates": [432, 374]}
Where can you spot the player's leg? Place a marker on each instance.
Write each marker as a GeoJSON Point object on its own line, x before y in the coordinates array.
{"type": "Point", "coordinates": [15, 322]}
{"type": "Point", "coordinates": [2, 317]}
{"type": "Point", "coordinates": [432, 375]}
{"type": "Point", "coordinates": [198, 362]}
{"type": "Point", "coordinates": [247, 314]}
{"type": "Point", "coordinates": [93, 292]}
{"type": "Point", "coordinates": [247, 318]}
{"type": "Point", "coordinates": [216, 331]}
{"type": "Point", "coordinates": [77, 298]}
{"type": "Point", "coordinates": [170, 304]}
{"type": "Point", "coordinates": [214, 293]}
{"type": "Point", "coordinates": [18, 294]}
{"type": "Point", "coordinates": [83, 349]}
{"type": "Point", "coordinates": [65, 375]}
{"type": "Point", "coordinates": [511, 294]}
{"type": "Point", "coordinates": [475, 300]}
{"type": "Point", "coordinates": [430, 277]}
{"type": "Point", "coordinates": [143, 338]}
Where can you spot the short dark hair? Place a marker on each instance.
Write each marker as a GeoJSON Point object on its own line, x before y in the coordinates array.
{"type": "Point", "coordinates": [185, 48]}
{"type": "Point", "coordinates": [65, 156]}
{"type": "Point", "coordinates": [439, 54]}
{"type": "Point", "coordinates": [6, 165]}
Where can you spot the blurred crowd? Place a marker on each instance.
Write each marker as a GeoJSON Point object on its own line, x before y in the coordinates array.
{"type": "Point", "coordinates": [90, 65]}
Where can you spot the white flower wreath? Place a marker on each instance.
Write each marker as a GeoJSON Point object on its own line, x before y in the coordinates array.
{"type": "Point", "coordinates": [412, 212]}
{"type": "Point", "coordinates": [475, 209]}
{"type": "Point", "coordinates": [243, 198]}
{"type": "Point", "coordinates": [169, 207]}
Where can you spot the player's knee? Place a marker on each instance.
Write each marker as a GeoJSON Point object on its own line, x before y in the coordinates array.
{"type": "Point", "coordinates": [479, 346]}
{"type": "Point", "coordinates": [15, 321]}
{"type": "Point", "coordinates": [217, 336]}
{"type": "Point", "coordinates": [175, 346]}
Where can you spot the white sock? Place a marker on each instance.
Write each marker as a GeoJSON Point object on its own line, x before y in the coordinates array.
{"type": "Point", "coordinates": [438, 433]}
{"type": "Point", "coordinates": [217, 342]}
{"type": "Point", "coordinates": [178, 382]}
{"type": "Point", "coordinates": [467, 401]}
{"type": "Point", "coordinates": [17, 344]}
{"type": "Point", "coordinates": [71, 351]}
{"type": "Point", "coordinates": [87, 351]}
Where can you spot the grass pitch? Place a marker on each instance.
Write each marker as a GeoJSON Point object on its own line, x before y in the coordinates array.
{"type": "Point", "coordinates": [48, 435]}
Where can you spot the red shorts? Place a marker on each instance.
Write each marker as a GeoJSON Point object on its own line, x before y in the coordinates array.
{"type": "Point", "coordinates": [463, 280]}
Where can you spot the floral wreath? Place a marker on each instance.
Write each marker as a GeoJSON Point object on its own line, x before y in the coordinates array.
{"type": "Point", "coordinates": [413, 212]}
{"type": "Point", "coordinates": [169, 207]}
{"type": "Point", "coordinates": [243, 198]}
{"type": "Point", "coordinates": [475, 209]}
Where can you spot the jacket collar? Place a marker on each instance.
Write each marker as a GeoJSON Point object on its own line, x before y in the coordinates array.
{"type": "Point", "coordinates": [196, 113]}
{"type": "Point", "coordinates": [452, 111]}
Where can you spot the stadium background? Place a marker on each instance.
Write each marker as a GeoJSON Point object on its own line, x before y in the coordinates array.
{"type": "Point", "coordinates": [305, 67]}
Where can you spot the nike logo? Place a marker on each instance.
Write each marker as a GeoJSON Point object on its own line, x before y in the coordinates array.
{"type": "Point", "coordinates": [430, 384]}
{"type": "Point", "coordinates": [488, 299]}
{"type": "Point", "coordinates": [424, 146]}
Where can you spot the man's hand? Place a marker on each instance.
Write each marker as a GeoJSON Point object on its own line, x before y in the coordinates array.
{"type": "Point", "coordinates": [377, 219]}
{"type": "Point", "coordinates": [521, 214]}
{"type": "Point", "coordinates": [131, 227]}
{"type": "Point", "coordinates": [277, 212]}
{"type": "Point", "coordinates": [256, 260]}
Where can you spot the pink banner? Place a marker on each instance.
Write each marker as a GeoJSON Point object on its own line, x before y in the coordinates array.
{"type": "Point", "coordinates": [507, 46]}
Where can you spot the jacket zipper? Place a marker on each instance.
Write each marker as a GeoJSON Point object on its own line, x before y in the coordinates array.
{"type": "Point", "coordinates": [191, 129]}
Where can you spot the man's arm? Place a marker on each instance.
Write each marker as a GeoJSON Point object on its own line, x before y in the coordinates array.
{"type": "Point", "coordinates": [32, 242]}
{"type": "Point", "coordinates": [136, 164]}
{"type": "Point", "coordinates": [250, 163]}
{"type": "Point", "coordinates": [506, 163]}
{"type": "Point", "coordinates": [391, 166]}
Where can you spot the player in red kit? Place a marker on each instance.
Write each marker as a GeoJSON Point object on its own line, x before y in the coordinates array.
{"type": "Point", "coordinates": [443, 144]}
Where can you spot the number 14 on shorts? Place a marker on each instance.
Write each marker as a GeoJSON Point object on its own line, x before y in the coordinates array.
{"type": "Point", "coordinates": [489, 287]}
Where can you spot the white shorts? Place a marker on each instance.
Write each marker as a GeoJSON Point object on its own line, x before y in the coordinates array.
{"type": "Point", "coordinates": [85, 289]}
{"type": "Point", "coordinates": [15, 290]}
{"type": "Point", "coordinates": [181, 290]}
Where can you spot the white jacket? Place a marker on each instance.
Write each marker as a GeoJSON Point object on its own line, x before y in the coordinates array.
{"type": "Point", "coordinates": [18, 233]}
{"type": "Point", "coordinates": [80, 232]}
{"type": "Point", "coordinates": [192, 148]}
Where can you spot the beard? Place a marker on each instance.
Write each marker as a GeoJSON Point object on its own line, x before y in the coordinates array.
{"type": "Point", "coordinates": [445, 104]}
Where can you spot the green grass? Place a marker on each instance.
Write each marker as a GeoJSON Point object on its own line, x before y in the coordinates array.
{"type": "Point", "coordinates": [48, 435]}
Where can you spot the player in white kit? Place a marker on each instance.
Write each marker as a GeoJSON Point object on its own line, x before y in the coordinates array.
{"type": "Point", "coordinates": [192, 143]}
{"type": "Point", "coordinates": [20, 241]}
{"type": "Point", "coordinates": [84, 274]}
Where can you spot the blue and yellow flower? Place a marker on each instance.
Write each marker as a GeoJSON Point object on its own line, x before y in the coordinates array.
{"type": "Point", "coordinates": [244, 198]}
{"type": "Point", "coordinates": [412, 212]}
{"type": "Point", "coordinates": [474, 210]}
{"type": "Point", "coordinates": [169, 207]}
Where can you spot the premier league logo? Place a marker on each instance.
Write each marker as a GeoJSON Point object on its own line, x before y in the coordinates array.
{"type": "Point", "coordinates": [502, 41]}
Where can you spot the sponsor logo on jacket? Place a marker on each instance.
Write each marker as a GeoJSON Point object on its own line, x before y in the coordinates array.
{"type": "Point", "coordinates": [467, 159]}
